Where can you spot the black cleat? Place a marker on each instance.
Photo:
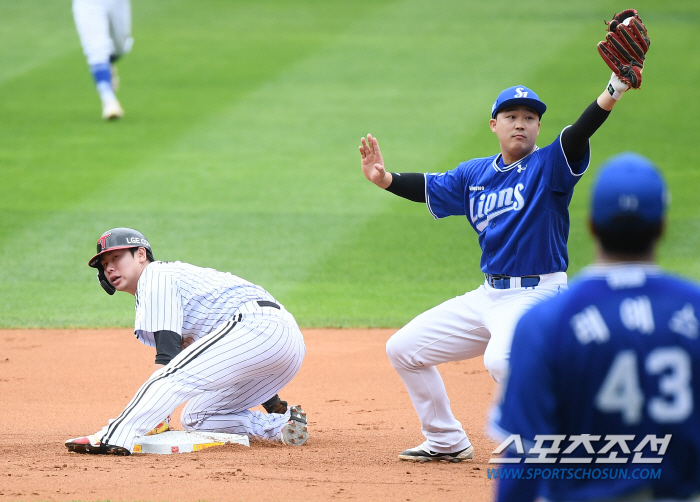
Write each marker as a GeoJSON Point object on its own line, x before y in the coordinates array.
{"type": "Point", "coordinates": [422, 454]}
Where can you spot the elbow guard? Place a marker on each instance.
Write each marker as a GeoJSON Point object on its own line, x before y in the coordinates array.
{"type": "Point", "coordinates": [168, 344]}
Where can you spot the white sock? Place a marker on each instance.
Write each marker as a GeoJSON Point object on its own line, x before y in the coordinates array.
{"type": "Point", "coordinates": [104, 89]}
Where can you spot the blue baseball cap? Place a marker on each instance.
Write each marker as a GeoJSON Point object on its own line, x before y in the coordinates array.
{"type": "Point", "coordinates": [628, 184]}
{"type": "Point", "coordinates": [517, 95]}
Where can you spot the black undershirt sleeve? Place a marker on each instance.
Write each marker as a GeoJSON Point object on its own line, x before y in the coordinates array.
{"type": "Point", "coordinates": [410, 186]}
{"type": "Point", "coordinates": [574, 142]}
{"type": "Point", "coordinates": [168, 345]}
{"type": "Point", "coordinates": [574, 139]}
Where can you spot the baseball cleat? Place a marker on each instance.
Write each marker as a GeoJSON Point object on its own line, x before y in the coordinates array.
{"type": "Point", "coordinates": [295, 432]}
{"type": "Point", "coordinates": [92, 444]}
{"type": "Point", "coordinates": [112, 110]}
{"type": "Point", "coordinates": [422, 454]}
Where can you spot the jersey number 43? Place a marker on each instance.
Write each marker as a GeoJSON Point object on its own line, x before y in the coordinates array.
{"type": "Point", "coordinates": [621, 392]}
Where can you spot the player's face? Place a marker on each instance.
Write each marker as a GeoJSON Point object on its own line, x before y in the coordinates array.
{"type": "Point", "coordinates": [517, 128]}
{"type": "Point", "coordinates": [122, 269]}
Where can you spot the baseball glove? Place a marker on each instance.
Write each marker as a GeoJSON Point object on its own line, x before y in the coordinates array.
{"type": "Point", "coordinates": [275, 405]}
{"type": "Point", "coordinates": [625, 46]}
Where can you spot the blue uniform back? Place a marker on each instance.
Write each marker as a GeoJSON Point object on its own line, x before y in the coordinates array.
{"type": "Point", "coordinates": [520, 211]}
{"type": "Point", "coordinates": [618, 354]}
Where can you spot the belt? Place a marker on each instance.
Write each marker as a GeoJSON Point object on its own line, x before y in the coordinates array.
{"type": "Point", "coordinates": [507, 282]}
{"type": "Point", "coordinates": [265, 303]}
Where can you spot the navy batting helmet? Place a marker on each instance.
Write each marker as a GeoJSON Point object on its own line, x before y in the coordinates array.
{"type": "Point", "coordinates": [117, 238]}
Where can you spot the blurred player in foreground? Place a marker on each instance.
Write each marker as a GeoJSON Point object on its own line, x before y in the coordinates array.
{"type": "Point", "coordinates": [605, 378]}
{"type": "Point", "coordinates": [104, 27]}
{"type": "Point", "coordinates": [223, 345]}
{"type": "Point", "coordinates": [518, 203]}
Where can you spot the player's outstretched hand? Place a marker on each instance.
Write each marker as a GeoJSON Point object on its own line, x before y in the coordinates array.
{"type": "Point", "coordinates": [373, 163]}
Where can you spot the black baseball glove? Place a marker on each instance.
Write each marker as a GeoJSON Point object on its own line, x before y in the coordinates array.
{"type": "Point", "coordinates": [275, 405]}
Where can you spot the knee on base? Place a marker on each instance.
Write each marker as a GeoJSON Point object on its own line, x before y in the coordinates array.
{"type": "Point", "coordinates": [189, 421]}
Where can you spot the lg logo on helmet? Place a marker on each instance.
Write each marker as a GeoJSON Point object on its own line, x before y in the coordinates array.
{"type": "Point", "coordinates": [136, 240]}
{"type": "Point", "coordinates": [519, 93]}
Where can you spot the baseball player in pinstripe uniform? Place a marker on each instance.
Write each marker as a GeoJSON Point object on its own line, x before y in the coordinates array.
{"type": "Point", "coordinates": [104, 28]}
{"type": "Point", "coordinates": [223, 345]}
{"type": "Point", "coordinates": [517, 202]}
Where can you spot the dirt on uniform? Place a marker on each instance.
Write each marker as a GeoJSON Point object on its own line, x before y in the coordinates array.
{"type": "Point", "coordinates": [60, 384]}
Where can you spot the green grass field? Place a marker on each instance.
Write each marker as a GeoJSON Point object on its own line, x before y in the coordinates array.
{"type": "Point", "coordinates": [239, 146]}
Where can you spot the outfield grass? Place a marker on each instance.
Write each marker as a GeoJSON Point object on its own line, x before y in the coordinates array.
{"type": "Point", "coordinates": [239, 146]}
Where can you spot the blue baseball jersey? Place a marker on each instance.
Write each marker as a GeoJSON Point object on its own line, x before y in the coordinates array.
{"type": "Point", "coordinates": [520, 211]}
{"type": "Point", "coordinates": [618, 354]}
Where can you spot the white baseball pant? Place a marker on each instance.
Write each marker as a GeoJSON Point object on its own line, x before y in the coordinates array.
{"type": "Point", "coordinates": [242, 364]}
{"type": "Point", "coordinates": [479, 322]}
{"type": "Point", "coordinates": [104, 28]}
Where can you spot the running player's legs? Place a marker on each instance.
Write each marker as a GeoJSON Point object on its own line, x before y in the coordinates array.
{"type": "Point", "coordinates": [452, 331]}
{"type": "Point", "coordinates": [91, 21]}
{"type": "Point", "coordinates": [120, 26]}
{"type": "Point", "coordinates": [267, 349]}
{"type": "Point", "coordinates": [503, 314]}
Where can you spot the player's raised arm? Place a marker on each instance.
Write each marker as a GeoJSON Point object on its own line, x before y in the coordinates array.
{"type": "Point", "coordinates": [373, 163]}
{"type": "Point", "coordinates": [624, 51]}
{"type": "Point", "coordinates": [410, 186]}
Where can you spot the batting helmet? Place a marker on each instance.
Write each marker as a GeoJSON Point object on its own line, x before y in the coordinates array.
{"type": "Point", "coordinates": [117, 238]}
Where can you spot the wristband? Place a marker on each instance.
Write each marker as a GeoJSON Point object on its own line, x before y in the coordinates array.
{"type": "Point", "coordinates": [616, 87]}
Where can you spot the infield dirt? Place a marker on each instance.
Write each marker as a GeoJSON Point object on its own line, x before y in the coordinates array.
{"type": "Point", "coordinates": [56, 385]}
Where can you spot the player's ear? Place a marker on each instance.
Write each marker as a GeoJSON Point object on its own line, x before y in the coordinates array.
{"type": "Point", "coordinates": [591, 228]}
{"type": "Point", "coordinates": [492, 123]}
{"type": "Point", "coordinates": [662, 230]}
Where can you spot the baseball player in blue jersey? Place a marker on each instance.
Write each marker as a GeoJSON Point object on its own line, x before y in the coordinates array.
{"type": "Point", "coordinates": [104, 28]}
{"type": "Point", "coordinates": [223, 345]}
{"type": "Point", "coordinates": [604, 377]}
{"type": "Point", "coordinates": [517, 202]}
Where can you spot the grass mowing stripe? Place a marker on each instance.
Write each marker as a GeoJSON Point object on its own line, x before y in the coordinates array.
{"type": "Point", "coordinates": [395, 263]}
{"type": "Point", "coordinates": [55, 146]}
{"type": "Point", "coordinates": [67, 232]}
{"type": "Point", "coordinates": [33, 32]}
{"type": "Point", "coordinates": [253, 166]}
{"type": "Point", "coordinates": [389, 254]}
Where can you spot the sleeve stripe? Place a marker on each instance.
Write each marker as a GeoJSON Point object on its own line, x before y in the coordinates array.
{"type": "Point", "coordinates": [427, 198]}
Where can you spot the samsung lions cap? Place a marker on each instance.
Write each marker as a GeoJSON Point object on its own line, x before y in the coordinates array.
{"type": "Point", "coordinates": [517, 95]}
{"type": "Point", "coordinates": [628, 184]}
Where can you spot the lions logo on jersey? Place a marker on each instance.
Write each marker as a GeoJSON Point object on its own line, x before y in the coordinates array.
{"type": "Point", "coordinates": [489, 205]}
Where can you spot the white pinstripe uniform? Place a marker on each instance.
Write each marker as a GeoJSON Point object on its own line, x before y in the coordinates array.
{"type": "Point", "coordinates": [245, 350]}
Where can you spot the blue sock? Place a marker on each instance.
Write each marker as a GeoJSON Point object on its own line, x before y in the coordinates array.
{"type": "Point", "coordinates": [102, 74]}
